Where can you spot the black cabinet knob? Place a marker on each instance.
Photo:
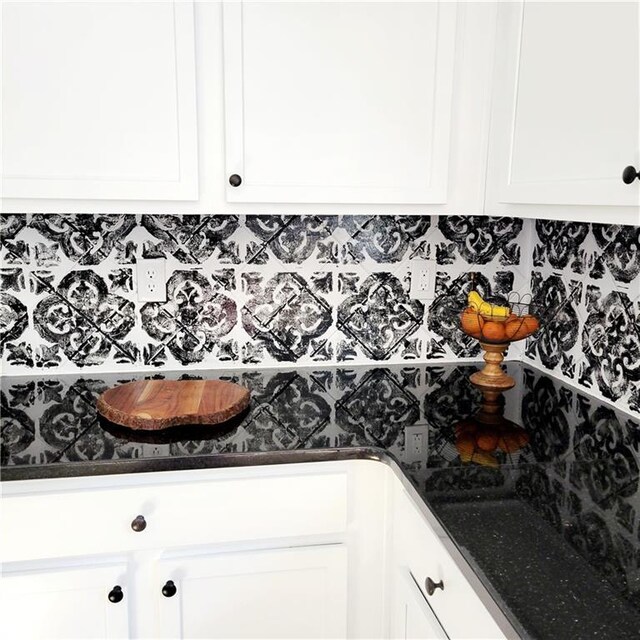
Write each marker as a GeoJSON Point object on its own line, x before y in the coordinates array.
{"type": "Point", "coordinates": [235, 180]}
{"type": "Point", "coordinates": [630, 174]}
{"type": "Point", "coordinates": [169, 590]}
{"type": "Point", "coordinates": [432, 586]}
{"type": "Point", "coordinates": [139, 523]}
{"type": "Point", "coordinates": [115, 595]}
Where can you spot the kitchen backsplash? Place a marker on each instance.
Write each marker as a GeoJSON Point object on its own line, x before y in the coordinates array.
{"type": "Point", "coordinates": [254, 290]}
{"type": "Point", "coordinates": [272, 290]}
{"type": "Point", "coordinates": [590, 274]}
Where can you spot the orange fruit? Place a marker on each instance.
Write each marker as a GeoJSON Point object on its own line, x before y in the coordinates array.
{"type": "Point", "coordinates": [465, 444]}
{"type": "Point", "coordinates": [493, 331]}
{"type": "Point", "coordinates": [521, 327]}
{"type": "Point", "coordinates": [514, 328]}
{"type": "Point", "coordinates": [487, 441]}
{"type": "Point", "coordinates": [472, 322]}
{"type": "Point", "coordinates": [532, 323]}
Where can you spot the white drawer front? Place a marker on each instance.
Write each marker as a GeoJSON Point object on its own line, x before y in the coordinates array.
{"type": "Point", "coordinates": [186, 513]}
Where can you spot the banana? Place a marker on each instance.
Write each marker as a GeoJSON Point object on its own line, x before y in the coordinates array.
{"type": "Point", "coordinates": [486, 309]}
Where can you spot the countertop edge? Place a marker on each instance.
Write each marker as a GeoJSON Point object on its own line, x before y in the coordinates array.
{"type": "Point", "coordinates": [179, 463]}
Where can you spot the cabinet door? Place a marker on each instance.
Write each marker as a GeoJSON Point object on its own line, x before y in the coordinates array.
{"type": "Point", "coordinates": [411, 615]}
{"type": "Point", "coordinates": [98, 100]}
{"type": "Point", "coordinates": [565, 117]}
{"type": "Point", "coordinates": [339, 101]}
{"type": "Point", "coordinates": [283, 593]}
{"type": "Point", "coordinates": [64, 603]}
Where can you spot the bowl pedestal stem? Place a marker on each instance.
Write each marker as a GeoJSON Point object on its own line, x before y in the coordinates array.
{"type": "Point", "coordinates": [492, 378]}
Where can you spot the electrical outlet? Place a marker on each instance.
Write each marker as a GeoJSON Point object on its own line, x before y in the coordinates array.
{"type": "Point", "coordinates": [151, 282]}
{"type": "Point", "coordinates": [415, 443]}
{"type": "Point", "coordinates": [155, 450]}
{"type": "Point", "coordinates": [423, 279]}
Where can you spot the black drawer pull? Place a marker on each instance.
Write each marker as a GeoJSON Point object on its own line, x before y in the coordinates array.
{"type": "Point", "coordinates": [630, 174]}
{"type": "Point", "coordinates": [116, 595]}
{"type": "Point", "coordinates": [432, 586]}
{"type": "Point", "coordinates": [139, 524]}
{"type": "Point", "coordinates": [235, 180]}
{"type": "Point", "coordinates": [169, 590]}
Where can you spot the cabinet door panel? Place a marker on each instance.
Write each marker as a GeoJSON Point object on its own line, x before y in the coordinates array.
{"type": "Point", "coordinates": [567, 97]}
{"type": "Point", "coordinates": [64, 603]}
{"type": "Point", "coordinates": [411, 616]}
{"type": "Point", "coordinates": [99, 100]}
{"type": "Point", "coordinates": [420, 552]}
{"type": "Point", "coordinates": [239, 509]}
{"type": "Point", "coordinates": [284, 593]}
{"type": "Point", "coordinates": [339, 101]}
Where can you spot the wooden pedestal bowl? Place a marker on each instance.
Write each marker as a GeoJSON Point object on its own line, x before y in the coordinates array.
{"type": "Point", "coordinates": [495, 334]}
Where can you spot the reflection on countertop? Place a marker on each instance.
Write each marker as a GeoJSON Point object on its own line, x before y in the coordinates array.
{"type": "Point", "coordinates": [560, 487]}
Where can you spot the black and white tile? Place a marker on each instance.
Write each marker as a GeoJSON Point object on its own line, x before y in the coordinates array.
{"type": "Point", "coordinates": [286, 314]}
{"type": "Point", "coordinates": [589, 486]}
{"type": "Point", "coordinates": [480, 239]}
{"type": "Point", "coordinates": [85, 239]}
{"type": "Point", "coordinates": [249, 290]}
{"type": "Point", "coordinates": [586, 279]}
{"type": "Point", "coordinates": [254, 290]}
{"type": "Point", "coordinates": [379, 319]}
{"type": "Point", "coordinates": [87, 322]}
{"type": "Point", "coordinates": [191, 239]}
{"type": "Point", "coordinates": [192, 322]}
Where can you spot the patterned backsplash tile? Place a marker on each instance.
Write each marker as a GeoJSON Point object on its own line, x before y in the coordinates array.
{"type": "Point", "coordinates": [243, 290]}
{"type": "Point", "coordinates": [275, 290]}
{"type": "Point", "coordinates": [589, 273]}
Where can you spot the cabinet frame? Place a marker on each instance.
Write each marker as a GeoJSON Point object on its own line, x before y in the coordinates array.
{"type": "Point", "coordinates": [183, 186]}
{"type": "Point", "coordinates": [606, 200]}
{"type": "Point", "coordinates": [436, 188]}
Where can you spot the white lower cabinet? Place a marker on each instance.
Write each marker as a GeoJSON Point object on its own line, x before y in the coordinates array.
{"type": "Point", "coordinates": [65, 602]}
{"type": "Point", "coordinates": [411, 615]}
{"type": "Point", "coordinates": [281, 593]}
{"type": "Point", "coordinates": [316, 550]}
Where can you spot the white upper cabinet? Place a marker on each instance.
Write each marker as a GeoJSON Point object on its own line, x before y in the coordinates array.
{"type": "Point", "coordinates": [99, 100]}
{"type": "Point", "coordinates": [519, 108]}
{"type": "Point", "coordinates": [354, 102]}
{"type": "Point", "coordinates": [566, 111]}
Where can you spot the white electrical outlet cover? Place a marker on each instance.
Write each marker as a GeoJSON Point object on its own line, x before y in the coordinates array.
{"type": "Point", "coordinates": [420, 433]}
{"type": "Point", "coordinates": [151, 280]}
{"type": "Point", "coordinates": [423, 279]}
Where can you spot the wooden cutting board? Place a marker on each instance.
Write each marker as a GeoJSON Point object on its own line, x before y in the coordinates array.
{"type": "Point", "coordinates": [159, 404]}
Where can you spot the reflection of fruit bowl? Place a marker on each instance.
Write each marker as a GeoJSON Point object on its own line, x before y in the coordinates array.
{"type": "Point", "coordinates": [478, 442]}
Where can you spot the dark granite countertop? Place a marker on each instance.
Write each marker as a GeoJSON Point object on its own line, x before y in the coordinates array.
{"type": "Point", "coordinates": [552, 528]}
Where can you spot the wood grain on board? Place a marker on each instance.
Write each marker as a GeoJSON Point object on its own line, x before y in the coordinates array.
{"type": "Point", "coordinates": [159, 404]}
